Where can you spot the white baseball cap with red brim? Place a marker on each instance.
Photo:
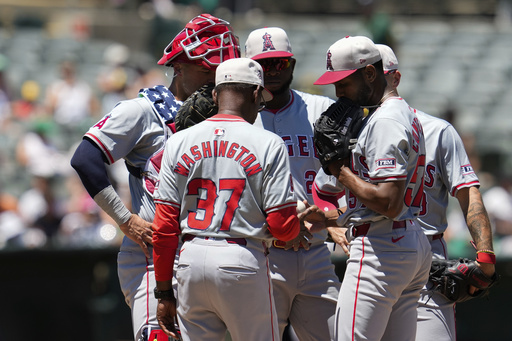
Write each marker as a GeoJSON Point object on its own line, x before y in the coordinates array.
{"type": "Point", "coordinates": [242, 70]}
{"type": "Point", "coordinates": [389, 60]}
{"type": "Point", "coordinates": [268, 42]}
{"type": "Point", "coordinates": [346, 56]}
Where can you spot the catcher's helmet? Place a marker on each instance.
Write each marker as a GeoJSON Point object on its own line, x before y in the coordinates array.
{"type": "Point", "coordinates": [206, 40]}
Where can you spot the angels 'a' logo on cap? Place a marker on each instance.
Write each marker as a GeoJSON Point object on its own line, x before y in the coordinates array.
{"type": "Point", "coordinates": [267, 43]}
{"type": "Point", "coordinates": [329, 62]}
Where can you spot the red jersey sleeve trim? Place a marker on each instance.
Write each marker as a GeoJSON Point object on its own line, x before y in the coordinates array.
{"type": "Point", "coordinates": [464, 185]}
{"type": "Point", "coordinates": [102, 146]}
{"type": "Point", "coordinates": [279, 207]}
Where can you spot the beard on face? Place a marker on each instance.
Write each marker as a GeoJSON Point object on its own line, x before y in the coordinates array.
{"type": "Point", "coordinates": [364, 94]}
{"type": "Point", "coordinates": [281, 90]}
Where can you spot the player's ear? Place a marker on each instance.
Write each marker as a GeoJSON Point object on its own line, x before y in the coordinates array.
{"type": "Point", "coordinates": [397, 76]}
{"type": "Point", "coordinates": [177, 69]}
{"type": "Point", "coordinates": [292, 63]}
{"type": "Point", "coordinates": [214, 96]}
{"type": "Point", "coordinates": [370, 73]}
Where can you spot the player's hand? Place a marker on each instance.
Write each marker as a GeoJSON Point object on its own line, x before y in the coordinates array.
{"type": "Point", "coordinates": [139, 230]}
{"type": "Point", "coordinates": [301, 240]}
{"type": "Point", "coordinates": [166, 316]}
{"type": "Point", "coordinates": [488, 269]}
{"type": "Point", "coordinates": [338, 235]}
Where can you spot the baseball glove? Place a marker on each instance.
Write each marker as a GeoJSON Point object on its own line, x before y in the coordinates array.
{"type": "Point", "coordinates": [197, 107]}
{"type": "Point", "coordinates": [336, 131]}
{"type": "Point", "coordinates": [452, 278]}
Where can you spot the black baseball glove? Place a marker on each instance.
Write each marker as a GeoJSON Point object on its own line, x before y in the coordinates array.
{"type": "Point", "coordinates": [197, 107]}
{"type": "Point", "coordinates": [452, 278]}
{"type": "Point", "coordinates": [336, 131]}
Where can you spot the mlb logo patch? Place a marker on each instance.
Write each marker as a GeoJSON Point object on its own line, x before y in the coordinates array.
{"type": "Point", "coordinates": [219, 132]}
{"type": "Point", "coordinates": [467, 169]}
{"type": "Point", "coordinates": [386, 163]}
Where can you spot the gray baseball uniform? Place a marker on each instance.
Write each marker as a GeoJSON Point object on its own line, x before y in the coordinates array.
{"type": "Point", "coordinates": [225, 176]}
{"type": "Point", "coordinates": [135, 130]}
{"type": "Point", "coordinates": [447, 170]}
{"type": "Point", "coordinates": [305, 284]}
{"type": "Point", "coordinates": [389, 260]}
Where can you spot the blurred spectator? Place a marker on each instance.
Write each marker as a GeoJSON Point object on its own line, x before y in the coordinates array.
{"type": "Point", "coordinates": [11, 224]}
{"type": "Point", "coordinates": [69, 99]}
{"type": "Point", "coordinates": [28, 106]}
{"type": "Point", "coordinates": [377, 23]}
{"type": "Point", "coordinates": [498, 201]}
{"type": "Point", "coordinates": [85, 224]}
{"type": "Point", "coordinates": [36, 152]}
{"type": "Point", "coordinates": [40, 209]}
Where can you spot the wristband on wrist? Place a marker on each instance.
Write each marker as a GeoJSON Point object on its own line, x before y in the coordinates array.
{"type": "Point", "coordinates": [163, 294]}
{"type": "Point", "coordinates": [111, 203]}
{"type": "Point", "coordinates": [486, 256]}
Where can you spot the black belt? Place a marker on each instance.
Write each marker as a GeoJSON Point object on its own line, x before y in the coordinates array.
{"type": "Point", "coordinates": [437, 236]}
{"type": "Point", "coordinates": [280, 244]}
{"type": "Point", "coordinates": [362, 230]}
{"type": "Point", "coordinates": [135, 171]}
{"type": "Point", "coordinates": [240, 241]}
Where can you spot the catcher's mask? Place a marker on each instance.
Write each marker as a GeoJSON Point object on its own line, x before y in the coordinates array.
{"type": "Point", "coordinates": [205, 40]}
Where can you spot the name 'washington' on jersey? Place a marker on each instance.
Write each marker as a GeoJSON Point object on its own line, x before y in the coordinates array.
{"type": "Point", "coordinates": [447, 170]}
{"type": "Point", "coordinates": [390, 147]}
{"type": "Point", "coordinates": [225, 175]}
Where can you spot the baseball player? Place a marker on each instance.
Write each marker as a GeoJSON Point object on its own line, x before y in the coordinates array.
{"type": "Point", "coordinates": [383, 180]}
{"type": "Point", "coordinates": [448, 172]}
{"type": "Point", "coordinates": [221, 181]}
{"type": "Point", "coordinates": [136, 131]}
{"type": "Point", "coordinates": [305, 285]}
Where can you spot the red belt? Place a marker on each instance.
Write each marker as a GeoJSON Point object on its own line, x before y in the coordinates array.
{"type": "Point", "coordinates": [362, 230]}
{"type": "Point", "coordinates": [240, 241]}
{"type": "Point", "coordinates": [280, 244]}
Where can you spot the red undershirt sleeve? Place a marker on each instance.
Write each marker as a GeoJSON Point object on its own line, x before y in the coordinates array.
{"type": "Point", "coordinates": [166, 233]}
{"type": "Point", "coordinates": [284, 224]}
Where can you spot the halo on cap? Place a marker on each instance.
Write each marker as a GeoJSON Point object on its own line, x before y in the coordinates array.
{"type": "Point", "coordinates": [346, 56]}
{"type": "Point", "coordinates": [268, 42]}
{"type": "Point", "coordinates": [242, 70]}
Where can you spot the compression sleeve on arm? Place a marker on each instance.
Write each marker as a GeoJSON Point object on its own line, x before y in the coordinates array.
{"type": "Point", "coordinates": [284, 224]}
{"type": "Point", "coordinates": [111, 203]}
{"type": "Point", "coordinates": [89, 162]}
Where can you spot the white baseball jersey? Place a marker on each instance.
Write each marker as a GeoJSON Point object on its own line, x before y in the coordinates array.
{"type": "Point", "coordinates": [289, 122]}
{"type": "Point", "coordinates": [135, 130]}
{"type": "Point", "coordinates": [447, 170]}
{"type": "Point", "coordinates": [247, 176]}
{"type": "Point", "coordinates": [226, 176]}
{"type": "Point", "coordinates": [391, 258]}
{"type": "Point", "coordinates": [390, 147]}
{"type": "Point", "coordinates": [306, 287]}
